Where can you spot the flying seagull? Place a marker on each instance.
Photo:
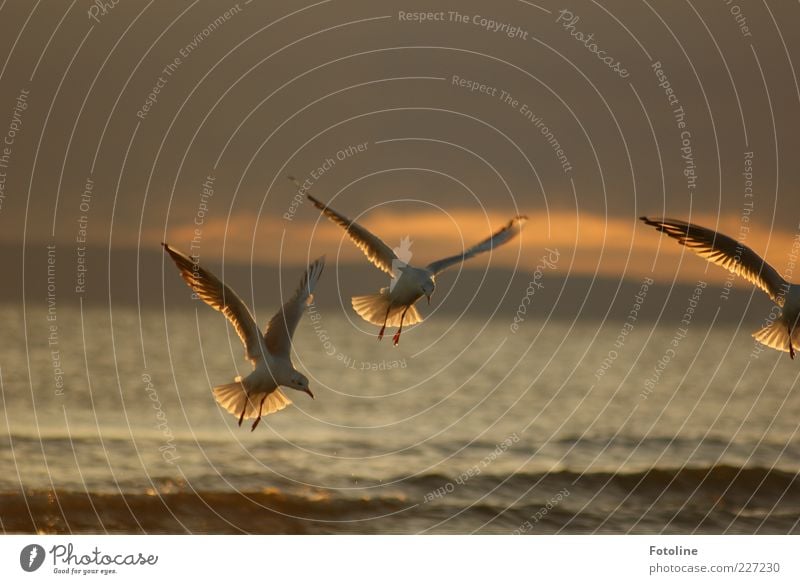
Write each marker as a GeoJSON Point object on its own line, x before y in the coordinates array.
{"type": "Point", "coordinates": [394, 305]}
{"type": "Point", "coordinates": [781, 334]}
{"type": "Point", "coordinates": [258, 394]}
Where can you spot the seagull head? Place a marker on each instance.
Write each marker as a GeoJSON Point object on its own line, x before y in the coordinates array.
{"type": "Point", "coordinates": [300, 383]}
{"type": "Point", "coordinates": [427, 289]}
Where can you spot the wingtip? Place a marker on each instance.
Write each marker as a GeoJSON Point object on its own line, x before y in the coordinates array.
{"type": "Point", "coordinates": [320, 261]}
{"type": "Point", "coordinates": [311, 198]}
{"type": "Point", "coordinates": [317, 203]}
{"type": "Point", "coordinates": [296, 182]}
{"type": "Point", "coordinates": [517, 223]}
{"type": "Point", "coordinates": [648, 221]}
{"type": "Point", "coordinates": [316, 267]}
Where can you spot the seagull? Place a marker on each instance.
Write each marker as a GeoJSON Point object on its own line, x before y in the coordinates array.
{"type": "Point", "coordinates": [394, 305]}
{"type": "Point", "coordinates": [258, 394]}
{"type": "Point", "coordinates": [781, 334]}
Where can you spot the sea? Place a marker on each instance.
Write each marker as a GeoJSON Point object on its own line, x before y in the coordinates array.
{"type": "Point", "coordinates": [473, 424]}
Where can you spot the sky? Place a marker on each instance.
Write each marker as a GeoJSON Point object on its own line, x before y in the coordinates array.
{"type": "Point", "coordinates": [155, 121]}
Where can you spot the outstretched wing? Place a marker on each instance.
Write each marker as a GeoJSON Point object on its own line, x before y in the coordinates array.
{"type": "Point", "coordinates": [502, 236]}
{"type": "Point", "coordinates": [281, 327]}
{"type": "Point", "coordinates": [380, 254]}
{"type": "Point", "coordinates": [219, 297]}
{"type": "Point", "coordinates": [726, 252]}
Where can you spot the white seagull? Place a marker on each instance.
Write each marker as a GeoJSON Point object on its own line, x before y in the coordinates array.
{"type": "Point", "coordinates": [781, 334]}
{"type": "Point", "coordinates": [258, 394]}
{"type": "Point", "coordinates": [394, 305]}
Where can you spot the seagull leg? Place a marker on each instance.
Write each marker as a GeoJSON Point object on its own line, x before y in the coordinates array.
{"type": "Point", "coordinates": [791, 348]}
{"type": "Point", "coordinates": [383, 328]}
{"type": "Point", "coordinates": [258, 419]}
{"type": "Point", "coordinates": [396, 338]}
{"type": "Point", "coordinates": [244, 409]}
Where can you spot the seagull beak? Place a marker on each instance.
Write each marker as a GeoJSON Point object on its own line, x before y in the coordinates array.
{"type": "Point", "coordinates": [428, 296]}
{"type": "Point", "coordinates": [308, 391]}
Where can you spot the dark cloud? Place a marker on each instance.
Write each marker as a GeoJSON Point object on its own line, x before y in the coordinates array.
{"type": "Point", "coordinates": [505, 107]}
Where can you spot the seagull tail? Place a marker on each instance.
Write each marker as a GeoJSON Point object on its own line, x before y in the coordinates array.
{"type": "Point", "coordinates": [776, 336]}
{"type": "Point", "coordinates": [233, 397]}
{"type": "Point", "coordinates": [373, 307]}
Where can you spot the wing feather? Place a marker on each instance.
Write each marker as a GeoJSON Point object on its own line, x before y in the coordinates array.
{"type": "Point", "coordinates": [725, 252]}
{"type": "Point", "coordinates": [380, 254]}
{"type": "Point", "coordinates": [219, 297]}
{"type": "Point", "coordinates": [504, 235]}
{"type": "Point", "coordinates": [281, 327]}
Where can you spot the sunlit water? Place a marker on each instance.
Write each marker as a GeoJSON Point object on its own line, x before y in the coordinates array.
{"type": "Point", "coordinates": [466, 426]}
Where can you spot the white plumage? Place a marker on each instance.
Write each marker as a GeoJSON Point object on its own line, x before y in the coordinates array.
{"type": "Point", "coordinates": [259, 393]}
{"type": "Point", "coordinates": [717, 248]}
{"type": "Point", "coordinates": [394, 306]}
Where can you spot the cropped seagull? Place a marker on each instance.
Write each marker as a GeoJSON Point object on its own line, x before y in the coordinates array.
{"type": "Point", "coordinates": [258, 394]}
{"type": "Point", "coordinates": [394, 305]}
{"type": "Point", "coordinates": [781, 334]}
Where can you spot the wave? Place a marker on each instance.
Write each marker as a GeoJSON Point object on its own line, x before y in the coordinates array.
{"type": "Point", "coordinates": [113, 437]}
{"type": "Point", "coordinates": [656, 479]}
{"type": "Point", "coordinates": [189, 512]}
{"type": "Point", "coordinates": [719, 499]}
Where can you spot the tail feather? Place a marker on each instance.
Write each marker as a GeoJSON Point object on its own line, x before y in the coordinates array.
{"type": "Point", "coordinates": [233, 397]}
{"type": "Point", "coordinates": [373, 307]}
{"type": "Point", "coordinates": [776, 336]}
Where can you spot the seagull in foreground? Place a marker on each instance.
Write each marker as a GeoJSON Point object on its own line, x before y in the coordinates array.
{"type": "Point", "coordinates": [394, 305]}
{"type": "Point", "coordinates": [781, 334]}
{"type": "Point", "coordinates": [258, 394]}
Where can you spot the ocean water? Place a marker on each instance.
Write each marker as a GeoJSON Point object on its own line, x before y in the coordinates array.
{"type": "Point", "coordinates": [109, 425]}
